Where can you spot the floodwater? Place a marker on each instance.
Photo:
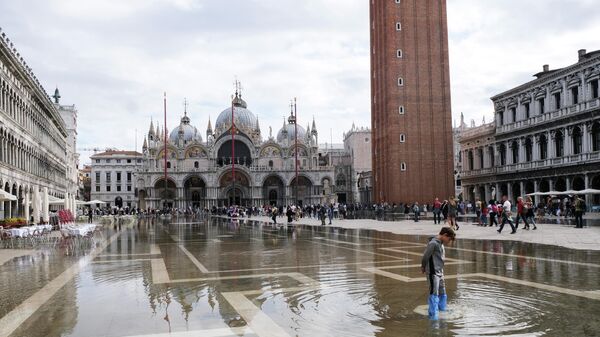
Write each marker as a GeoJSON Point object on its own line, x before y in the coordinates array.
{"type": "Point", "coordinates": [216, 277]}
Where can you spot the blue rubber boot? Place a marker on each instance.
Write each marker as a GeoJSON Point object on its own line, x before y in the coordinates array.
{"type": "Point", "coordinates": [443, 300]}
{"type": "Point", "coordinates": [433, 307]}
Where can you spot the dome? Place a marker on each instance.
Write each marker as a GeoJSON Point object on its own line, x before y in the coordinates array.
{"type": "Point", "coordinates": [189, 132]}
{"type": "Point", "coordinates": [244, 119]}
{"type": "Point", "coordinates": [291, 132]}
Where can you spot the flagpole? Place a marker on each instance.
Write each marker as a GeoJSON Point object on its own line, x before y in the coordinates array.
{"type": "Point", "coordinates": [233, 145]}
{"type": "Point", "coordinates": [165, 140]}
{"type": "Point", "coordinates": [296, 145]}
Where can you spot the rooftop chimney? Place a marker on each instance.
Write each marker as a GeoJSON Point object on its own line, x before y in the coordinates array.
{"type": "Point", "coordinates": [546, 68]}
{"type": "Point", "coordinates": [581, 54]}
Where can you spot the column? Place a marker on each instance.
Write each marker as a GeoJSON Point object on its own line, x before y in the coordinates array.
{"type": "Point", "coordinates": [2, 216]}
{"type": "Point", "coordinates": [498, 195]}
{"type": "Point", "coordinates": [486, 197]}
{"type": "Point", "coordinates": [568, 133]}
{"type": "Point", "coordinates": [521, 144]}
{"type": "Point", "coordinates": [45, 206]}
{"type": "Point", "coordinates": [568, 180]}
{"type": "Point", "coordinates": [586, 138]}
{"type": "Point", "coordinates": [536, 147]}
{"type": "Point", "coordinates": [522, 187]}
{"type": "Point", "coordinates": [536, 188]}
{"type": "Point", "coordinates": [509, 190]}
{"type": "Point", "coordinates": [36, 205]}
{"type": "Point", "coordinates": [551, 184]}
{"type": "Point", "coordinates": [27, 207]}
{"type": "Point", "coordinates": [588, 197]}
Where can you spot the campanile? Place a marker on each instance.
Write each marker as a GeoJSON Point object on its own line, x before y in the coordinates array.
{"type": "Point", "coordinates": [410, 101]}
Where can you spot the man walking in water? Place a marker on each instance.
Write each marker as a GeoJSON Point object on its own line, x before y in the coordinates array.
{"type": "Point", "coordinates": [432, 265]}
{"type": "Point", "coordinates": [507, 215]}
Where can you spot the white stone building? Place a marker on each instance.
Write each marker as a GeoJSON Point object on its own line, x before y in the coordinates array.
{"type": "Point", "coordinates": [69, 116]}
{"type": "Point", "coordinates": [113, 177]}
{"type": "Point", "coordinates": [357, 144]}
{"type": "Point", "coordinates": [200, 171]}
{"type": "Point", "coordinates": [33, 145]}
{"type": "Point", "coordinates": [546, 136]}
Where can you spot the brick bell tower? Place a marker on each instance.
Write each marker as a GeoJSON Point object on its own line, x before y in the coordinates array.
{"type": "Point", "coordinates": [410, 101]}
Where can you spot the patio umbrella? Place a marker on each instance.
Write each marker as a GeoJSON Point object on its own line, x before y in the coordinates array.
{"type": "Point", "coordinates": [45, 206]}
{"type": "Point", "coordinates": [26, 205]}
{"type": "Point", "coordinates": [5, 196]}
{"type": "Point", "coordinates": [36, 205]}
{"type": "Point", "coordinates": [589, 191]}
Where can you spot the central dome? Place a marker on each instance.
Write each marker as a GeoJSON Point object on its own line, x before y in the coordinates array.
{"type": "Point", "coordinates": [244, 118]}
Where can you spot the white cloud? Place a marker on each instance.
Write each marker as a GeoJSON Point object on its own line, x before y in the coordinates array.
{"type": "Point", "coordinates": [114, 59]}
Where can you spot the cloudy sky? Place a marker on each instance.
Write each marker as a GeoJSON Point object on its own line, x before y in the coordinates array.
{"type": "Point", "coordinates": [114, 59]}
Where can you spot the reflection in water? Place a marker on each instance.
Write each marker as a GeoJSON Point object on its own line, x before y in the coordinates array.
{"type": "Point", "coordinates": [117, 296]}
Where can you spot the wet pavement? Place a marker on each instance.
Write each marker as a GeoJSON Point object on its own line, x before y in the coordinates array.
{"type": "Point", "coordinates": [192, 277]}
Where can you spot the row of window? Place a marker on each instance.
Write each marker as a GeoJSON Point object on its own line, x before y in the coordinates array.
{"type": "Point", "coordinates": [540, 104]}
{"type": "Point", "coordinates": [108, 188]}
{"type": "Point", "coordinates": [543, 148]}
{"type": "Point", "coordinates": [28, 114]}
{"type": "Point", "coordinates": [109, 176]}
{"type": "Point", "coordinates": [27, 158]}
{"type": "Point", "coordinates": [118, 161]}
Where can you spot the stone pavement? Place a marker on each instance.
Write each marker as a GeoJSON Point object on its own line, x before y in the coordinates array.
{"type": "Point", "coordinates": [587, 238]}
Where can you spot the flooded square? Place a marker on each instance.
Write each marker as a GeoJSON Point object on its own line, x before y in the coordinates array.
{"type": "Point", "coordinates": [217, 277]}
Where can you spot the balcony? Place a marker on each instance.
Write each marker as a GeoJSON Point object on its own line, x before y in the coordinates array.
{"type": "Point", "coordinates": [550, 116]}
{"type": "Point", "coordinates": [575, 159]}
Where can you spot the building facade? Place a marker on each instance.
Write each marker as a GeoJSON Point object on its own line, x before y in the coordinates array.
{"type": "Point", "coordinates": [233, 165]}
{"type": "Point", "coordinates": [545, 137]}
{"type": "Point", "coordinates": [69, 116]}
{"type": "Point", "coordinates": [33, 147]}
{"type": "Point", "coordinates": [113, 178]}
{"type": "Point", "coordinates": [410, 101]}
{"type": "Point", "coordinates": [357, 144]}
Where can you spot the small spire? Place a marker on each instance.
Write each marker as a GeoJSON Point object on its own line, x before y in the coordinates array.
{"type": "Point", "coordinates": [284, 128]}
{"type": "Point", "coordinates": [145, 146]}
{"type": "Point", "coordinates": [185, 105]}
{"type": "Point", "coordinates": [209, 128]}
{"type": "Point", "coordinates": [151, 131]}
{"type": "Point", "coordinates": [314, 126]}
{"type": "Point", "coordinates": [56, 96]}
{"type": "Point", "coordinates": [257, 125]}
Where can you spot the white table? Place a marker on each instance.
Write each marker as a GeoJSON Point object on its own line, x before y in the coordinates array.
{"type": "Point", "coordinates": [81, 230]}
{"type": "Point", "coordinates": [28, 230]}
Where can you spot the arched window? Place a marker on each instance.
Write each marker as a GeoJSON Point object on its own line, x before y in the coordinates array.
{"type": "Point", "coordinates": [543, 147]}
{"type": "Point", "coordinates": [528, 150]}
{"type": "Point", "coordinates": [491, 154]}
{"type": "Point", "coordinates": [481, 161]}
{"type": "Point", "coordinates": [559, 142]}
{"type": "Point", "coordinates": [403, 166]}
{"type": "Point", "coordinates": [577, 140]}
{"type": "Point", "coordinates": [515, 152]}
{"type": "Point", "coordinates": [168, 164]}
{"type": "Point", "coordinates": [470, 159]}
{"type": "Point", "coordinates": [596, 137]}
{"type": "Point", "coordinates": [196, 165]}
{"type": "Point", "coordinates": [270, 163]}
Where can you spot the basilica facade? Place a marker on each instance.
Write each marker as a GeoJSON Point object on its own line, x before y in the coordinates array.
{"type": "Point", "coordinates": [233, 164]}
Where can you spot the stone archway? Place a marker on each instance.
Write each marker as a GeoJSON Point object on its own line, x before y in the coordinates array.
{"type": "Point", "coordinates": [240, 195]}
{"type": "Point", "coordinates": [194, 189]}
{"type": "Point", "coordinates": [304, 190]}
{"type": "Point", "coordinates": [273, 191]}
{"type": "Point", "coordinates": [560, 185]}
{"type": "Point", "coordinates": [166, 196]}
{"type": "Point", "coordinates": [578, 184]}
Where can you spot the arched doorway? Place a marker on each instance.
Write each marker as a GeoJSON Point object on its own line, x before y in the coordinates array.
{"type": "Point", "coordinates": [274, 191]}
{"type": "Point", "coordinates": [238, 196]}
{"type": "Point", "coordinates": [516, 189]}
{"type": "Point", "coordinates": [119, 202]}
{"type": "Point", "coordinates": [195, 192]}
{"type": "Point", "coordinates": [544, 186]}
{"type": "Point", "coordinates": [529, 188]}
{"type": "Point", "coordinates": [595, 185]}
{"type": "Point", "coordinates": [578, 184]}
{"type": "Point", "coordinates": [166, 196]}
{"type": "Point", "coordinates": [304, 190]}
{"type": "Point", "coordinates": [142, 199]}
{"type": "Point", "coordinates": [560, 185]}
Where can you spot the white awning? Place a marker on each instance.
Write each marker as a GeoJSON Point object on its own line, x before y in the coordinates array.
{"type": "Point", "coordinates": [5, 196]}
